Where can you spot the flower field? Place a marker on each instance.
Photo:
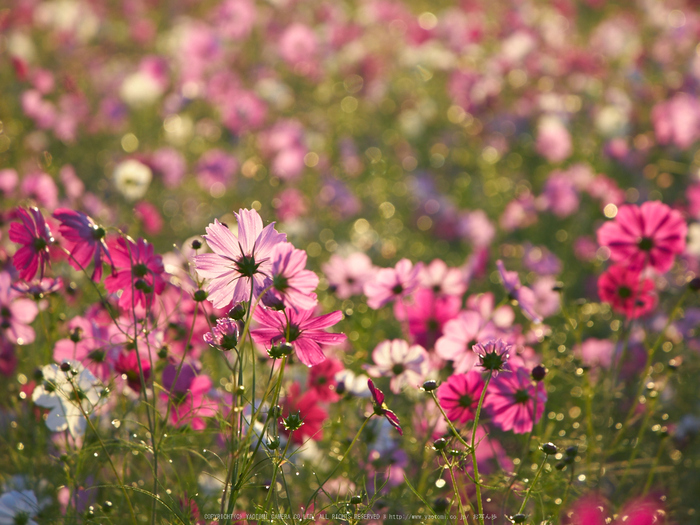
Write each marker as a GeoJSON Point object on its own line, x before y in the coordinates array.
{"type": "Point", "coordinates": [350, 262]}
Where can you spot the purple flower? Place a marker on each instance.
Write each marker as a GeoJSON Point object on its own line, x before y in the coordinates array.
{"type": "Point", "coordinates": [238, 262]}
{"type": "Point", "coordinates": [85, 240]}
{"type": "Point", "coordinates": [524, 295]}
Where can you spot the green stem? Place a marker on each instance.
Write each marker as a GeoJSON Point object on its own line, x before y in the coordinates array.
{"type": "Point", "coordinates": [455, 487]}
{"type": "Point", "coordinates": [477, 479]}
{"type": "Point", "coordinates": [534, 482]}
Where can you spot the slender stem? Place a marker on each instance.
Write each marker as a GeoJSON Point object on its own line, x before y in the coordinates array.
{"type": "Point", "coordinates": [449, 423]}
{"type": "Point", "coordinates": [278, 465]}
{"type": "Point", "coordinates": [455, 487]}
{"type": "Point", "coordinates": [339, 462]}
{"type": "Point", "coordinates": [652, 470]}
{"type": "Point", "coordinates": [534, 482]}
{"type": "Point", "coordinates": [477, 480]}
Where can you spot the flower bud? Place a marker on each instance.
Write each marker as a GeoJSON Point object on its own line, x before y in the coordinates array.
{"type": "Point", "coordinates": [356, 500]}
{"type": "Point", "coordinates": [292, 422]}
{"type": "Point", "coordinates": [539, 372]}
{"type": "Point", "coordinates": [439, 444]}
{"type": "Point", "coordinates": [196, 244]}
{"type": "Point", "coordinates": [200, 295]}
{"type": "Point", "coordinates": [549, 448]}
{"type": "Point", "coordinates": [430, 385]}
{"type": "Point", "coordinates": [519, 518]}
{"type": "Point", "coordinates": [237, 313]}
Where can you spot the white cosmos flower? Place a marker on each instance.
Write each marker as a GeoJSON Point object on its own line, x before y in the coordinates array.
{"type": "Point", "coordinates": [132, 179]}
{"type": "Point", "coordinates": [57, 393]}
{"type": "Point", "coordinates": [18, 507]}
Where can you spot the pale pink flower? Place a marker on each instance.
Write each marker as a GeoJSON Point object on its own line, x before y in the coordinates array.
{"type": "Point", "coordinates": [392, 283]}
{"type": "Point", "coordinates": [348, 275]}
{"type": "Point", "coordinates": [291, 283]}
{"type": "Point", "coordinates": [442, 279]}
{"type": "Point", "coordinates": [406, 365]}
{"type": "Point", "coordinates": [459, 337]}
{"type": "Point", "coordinates": [16, 313]}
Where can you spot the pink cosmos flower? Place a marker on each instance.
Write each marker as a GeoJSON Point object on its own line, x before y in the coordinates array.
{"type": "Point", "coordinates": [646, 235]}
{"type": "Point", "coordinates": [524, 295]}
{"type": "Point", "coordinates": [347, 276]}
{"type": "Point", "coordinates": [442, 279]}
{"type": "Point", "coordinates": [677, 120]}
{"type": "Point", "coordinates": [627, 291]}
{"type": "Point", "coordinates": [138, 272]}
{"type": "Point", "coordinates": [380, 407]}
{"type": "Point", "coordinates": [427, 313]}
{"type": "Point", "coordinates": [560, 195]}
{"type": "Point", "coordinates": [127, 364]}
{"type": "Point", "coordinates": [406, 365]}
{"type": "Point", "coordinates": [511, 401]}
{"type": "Point", "coordinates": [306, 333]}
{"type": "Point", "coordinates": [460, 335]}
{"type": "Point", "coordinates": [595, 352]}
{"type": "Point", "coordinates": [84, 240]}
{"type": "Point", "coordinates": [593, 510]}
{"type": "Point", "coordinates": [35, 237]}
{"type": "Point", "coordinates": [322, 379]}
{"type": "Point", "coordinates": [16, 313]}
{"type": "Point", "coordinates": [459, 396]}
{"type": "Point", "coordinates": [291, 283]}
{"type": "Point", "coordinates": [391, 283]}
{"type": "Point", "coordinates": [553, 140]}
{"type": "Point", "coordinates": [306, 405]}
{"type": "Point", "coordinates": [494, 355]}
{"type": "Point", "coordinates": [188, 394]}
{"type": "Point", "coordinates": [89, 344]}
{"type": "Point", "coordinates": [224, 335]}
{"type": "Point", "coordinates": [238, 262]}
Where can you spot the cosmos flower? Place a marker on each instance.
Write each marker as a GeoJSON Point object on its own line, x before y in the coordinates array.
{"type": "Point", "coordinates": [16, 313]}
{"type": "Point", "coordinates": [303, 332]}
{"type": "Point", "coordinates": [627, 291]}
{"type": "Point", "coordinates": [347, 276]}
{"type": "Point", "coordinates": [238, 261]}
{"type": "Point", "coordinates": [510, 401]}
{"type": "Point", "coordinates": [493, 355]}
{"type": "Point", "coordinates": [307, 407]}
{"type": "Point", "coordinates": [459, 396]}
{"type": "Point", "coordinates": [224, 335]}
{"type": "Point", "coordinates": [524, 295]}
{"type": "Point", "coordinates": [60, 392]}
{"type": "Point", "coordinates": [291, 283]}
{"type": "Point", "coordinates": [406, 365]}
{"type": "Point", "coordinates": [188, 394]}
{"type": "Point", "coordinates": [380, 407]}
{"type": "Point", "coordinates": [138, 272]}
{"type": "Point", "coordinates": [85, 241]}
{"type": "Point", "coordinates": [647, 235]}
{"type": "Point", "coordinates": [459, 336]}
{"type": "Point", "coordinates": [427, 312]}
{"type": "Point", "coordinates": [19, 507]}
{"type": "Point", "coordinates": [392, 283]}
{"type": "Point", "coordinates": [35, 236]}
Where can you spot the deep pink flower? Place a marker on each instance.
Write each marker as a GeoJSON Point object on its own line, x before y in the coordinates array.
{"type": "Point", "coordinates": [306, 406]}
{"type": "Point", "coordinates": [188, 394]}
{"type": "Point", "coordinates": [380, 407]}
{"type": "Point", "coordinates": [16, 313]}
{"type": "Point", "coordinates": [35, 237]}
{"type": "Point", "coordinates": [627, 291]}
{"type": "Point", "coordinates": [322, 379]}
{"type": "Point", "coordinates": [127, 364]}
{"type": "Point", "coordinates": [391, 283]}
{"type": "Point", "coordinates": [306, 333]}
{"type": "Point", "coordinates": [593, 510]}
{"type": "Point", "coordinates": [511, 399]}
{"type": "Point", "coordinates": [427, 313]}
{"type": "Point", "coordinates": [291, 283]}
{"type": "Point", "coordinates": [138, 272]}
{"type": "Point", "coordinates": [460, 335]}
{"type": "Point", "coordinates": [238, 261]}
{"type": "Point", "coordinates": [406, 365]}
{"type": "Point", "coordinates": [84, 240]}
{"type": "Point", "coordinates": [459, 396]}
{"type": "Point", "coordinates": [347, 276]}
{"type": "Point", "coordinates": [524, 295]}
{"type": "Point", "coordinates": [493, 355]}
{"type": "Point", "coordinates": [647, 235]}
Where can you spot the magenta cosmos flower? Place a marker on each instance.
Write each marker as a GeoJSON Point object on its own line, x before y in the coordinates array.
{"type": "Point", "coordinates": [34, 235]}
{"type": "Point", "coordinates": [380, 407]}
{"type": "Point", "coordinates": [627, 291]}
{"type": "Point", "coordinates": [459, 396]}
{"type": "Point", "coordinates": [138, 272]}
{"type": "Point", "coordinates": [238, 262]}
{"type": "Point", "coordinates": [84, 239]}
{"type": "Point", "coordinates": [305, 333]}
{"type": "Point", "coordinates": [291, 283]}
{"type": "Point", "coordinates": [511, 401]}
{"type": "Point", "coordinates": [406, 365]}
{"type": "Point", "coordinates": [391, 283]}
{"type": "Point", "coordinates": [16, 313]}
{"type": "Point", "coordinates": [493, 355]}
{"type": "Point", "coordinates": [647, 235]}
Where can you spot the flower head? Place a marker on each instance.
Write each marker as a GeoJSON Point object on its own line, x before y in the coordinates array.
{"type": "Point", "coordinates": [493, 355]}
{"type": "Point", "coordinates": [19, 507]}
{"type": "Point", "coordinates": [303, 332]}
{"type": "Point", "coordinates": [35, 236]}
{"type": "Point", "coordinates": [511, 401]}
{"type": "Point", "coordinates": [347, 276]}
{"type": "Point", "coordinates": [391, 283]}
{"type": "Point", "coordinates": [85, 240]}
{"type": "Point", "coordinates": [524, 295]}
{"type": "Point", "coordinates": [291, 283]}
{"type": "Point", "coordinates": [224, 335]}
{"type": "Point", "coordinates": [406, 365]}
{"type": "Point", "coordinates": [16, 313]}
{"type": "Point", "coordinates": [380, 407]}
{"type": "Point", "coordinates": [188, 390]}
{"type": "Point", "coordinates": [647, 235]}
{"type": "Point", "coordinates": [238, 262]}
{"type": "Point", "coordinates": [460, 336]}
{"type": "Point", "coordinates": [460, 394]}
{"type": "Point", "coordinates": [303, 410]}
{"type": "Point", "coordinates": [627, 291]}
